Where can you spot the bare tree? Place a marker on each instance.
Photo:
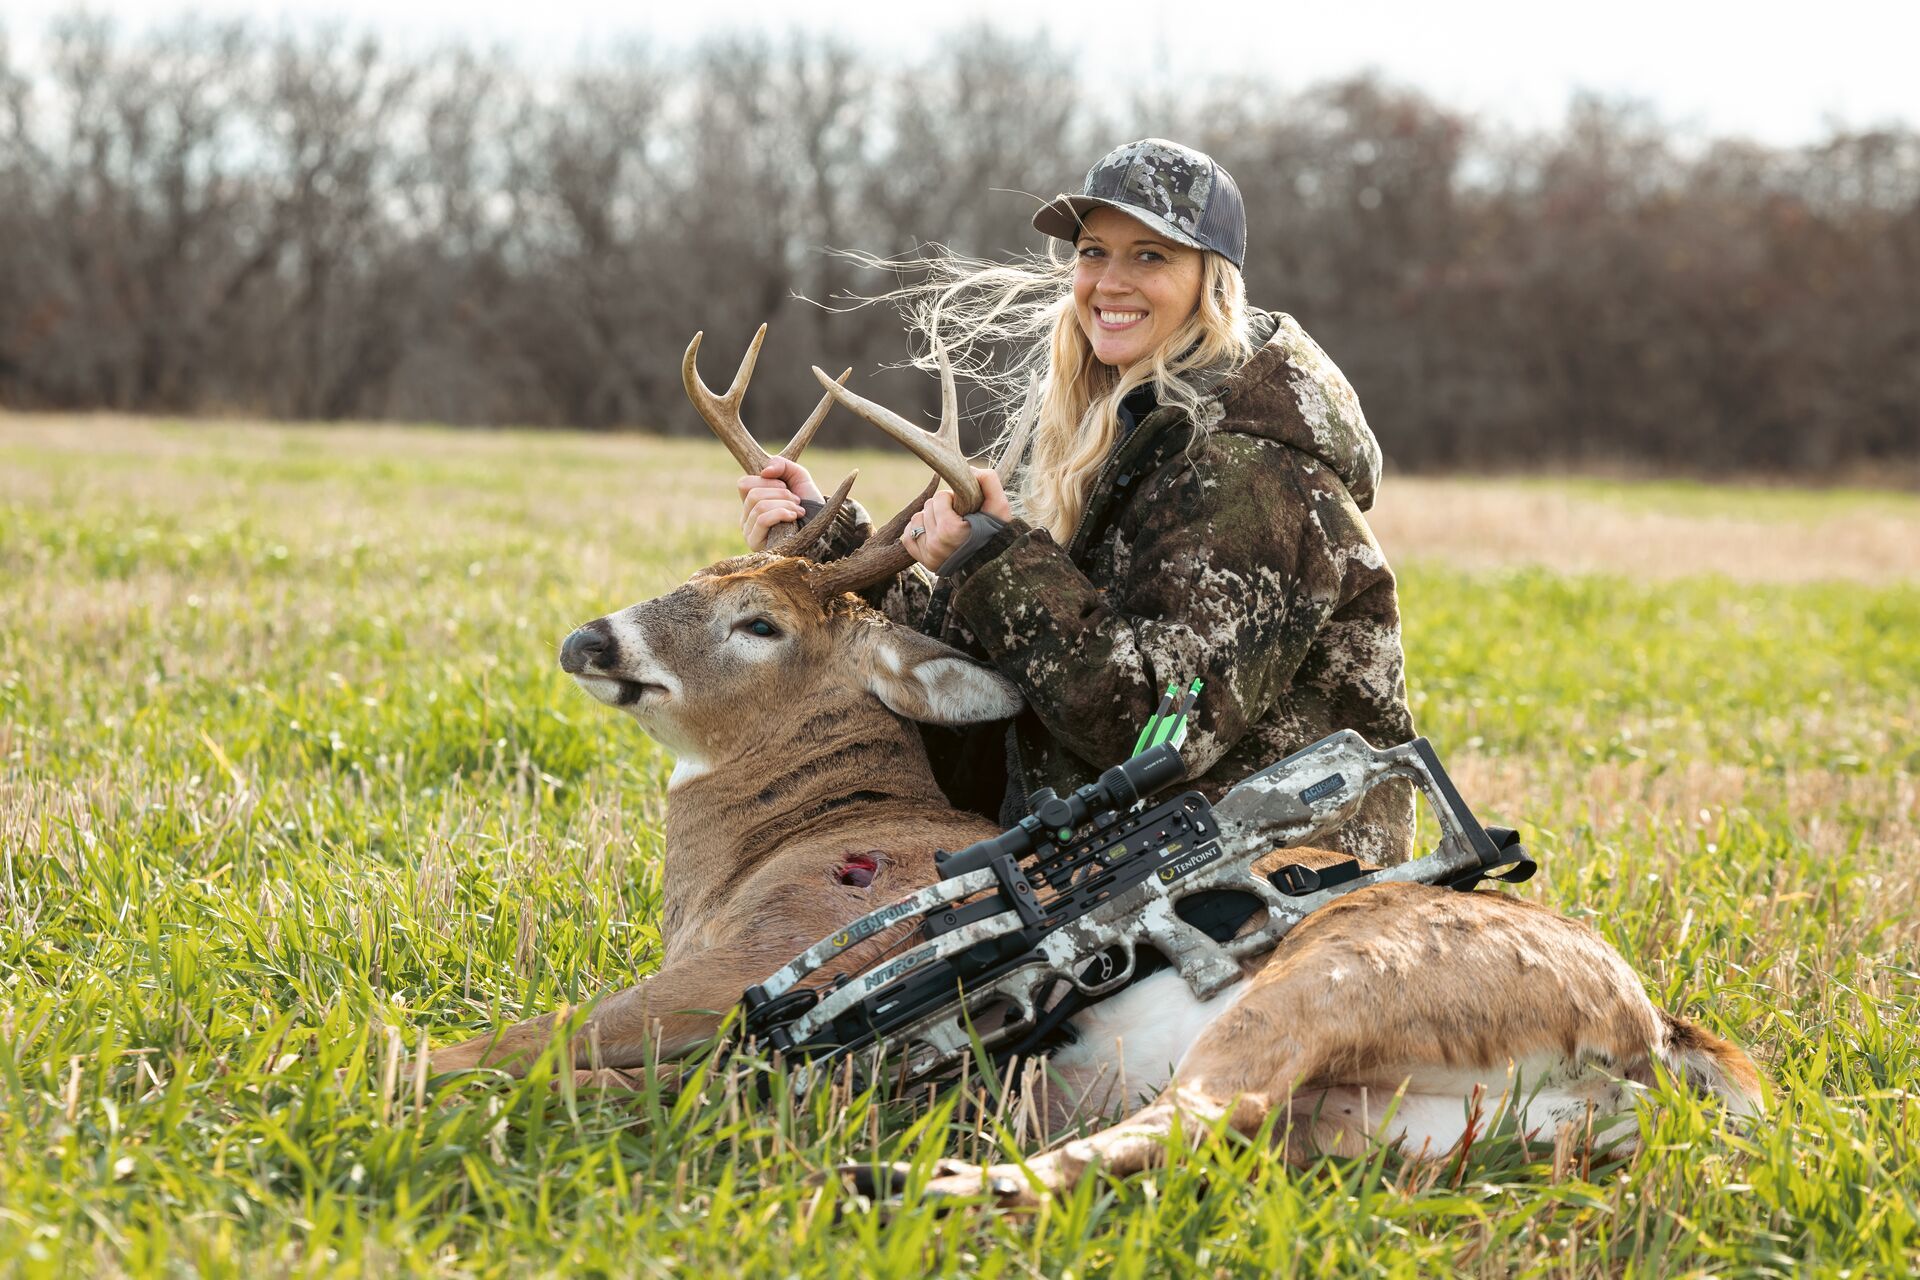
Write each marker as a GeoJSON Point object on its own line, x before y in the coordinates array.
{"type": "Point", "coordinates": [204, 217]}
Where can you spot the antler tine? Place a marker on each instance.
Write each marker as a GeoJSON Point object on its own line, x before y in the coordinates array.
{"type": "Point", "coordinates": [723, 412]}
{"type": "Point", "coordinates": [804, 436]}
{"type": "Point", "coordinates": [792, 540]}
{"type": "Point", "coordinates": [949, 402]}
{"type": "Point", "coordinates": [1021, 435]}
{"type": "Point", "coordinates": [938, 450]}
{"type": "Point", "coordinates": [875, 562]}
{"type": "Point", "coordinates": [892, 529]}
{"type": "Point", "coordinates": [880, 558]}
{"type": "Point", "coordinates": [802, 539]}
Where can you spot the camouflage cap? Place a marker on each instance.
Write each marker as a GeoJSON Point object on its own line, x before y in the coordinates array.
{"type": "Point", "coordinates": [1179, 192]}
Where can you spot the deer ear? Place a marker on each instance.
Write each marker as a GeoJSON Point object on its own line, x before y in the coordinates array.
{"type": "Point", "coordinates": [922, 679]}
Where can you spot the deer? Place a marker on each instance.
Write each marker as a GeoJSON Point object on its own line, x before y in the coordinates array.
{"type": "Point", "coordinates": [801, 799]}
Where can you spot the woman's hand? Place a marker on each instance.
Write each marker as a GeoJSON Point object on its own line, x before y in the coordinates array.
{"type": "Point", "coordinates": [773, 497]}
{"type": "Point", "coordinates": [937, 531]}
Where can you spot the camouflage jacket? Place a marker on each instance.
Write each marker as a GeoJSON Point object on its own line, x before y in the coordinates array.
{"type": "Point", "coordinates": [1239, 555]}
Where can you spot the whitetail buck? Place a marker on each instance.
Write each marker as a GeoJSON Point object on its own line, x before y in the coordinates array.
{"type": "Point", "coordinates": [801, 799]}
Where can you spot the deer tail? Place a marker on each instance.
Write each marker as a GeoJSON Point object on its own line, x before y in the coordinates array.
{"type": "Point", "coordinates": [1714, 1066]}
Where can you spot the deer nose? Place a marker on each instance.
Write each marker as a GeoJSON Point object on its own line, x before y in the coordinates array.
{"type": "Point", "coordinates": [585, 647]}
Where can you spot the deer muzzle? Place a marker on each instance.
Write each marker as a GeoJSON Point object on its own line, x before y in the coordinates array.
{"type": "Point", "coordinates": [619, 672]}
{"type": "Point", "coordinates": [590, 646]}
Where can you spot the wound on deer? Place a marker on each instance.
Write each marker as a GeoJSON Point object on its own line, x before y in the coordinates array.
{"type": "Point", "coordinates": [858, 870]}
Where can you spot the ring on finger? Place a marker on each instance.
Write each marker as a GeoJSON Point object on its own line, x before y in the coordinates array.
{"type": "Point", "coordinates": [916, 532]}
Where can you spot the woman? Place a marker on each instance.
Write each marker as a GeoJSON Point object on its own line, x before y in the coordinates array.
{"type": "Point", "coordinates": [1191, 507]}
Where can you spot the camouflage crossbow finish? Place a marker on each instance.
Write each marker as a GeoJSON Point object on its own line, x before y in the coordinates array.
{"type": "Point", "coordinates": [1092, 891]}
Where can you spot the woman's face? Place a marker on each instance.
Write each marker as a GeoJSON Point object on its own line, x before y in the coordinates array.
{"type": "Point", "coordinates": [1131, 288]}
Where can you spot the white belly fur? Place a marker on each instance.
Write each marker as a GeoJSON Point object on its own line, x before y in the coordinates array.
{"type": "Point", "coordinates": [1439, 1105]}
{"type": "Point", "coordinates": [1128, 1046]}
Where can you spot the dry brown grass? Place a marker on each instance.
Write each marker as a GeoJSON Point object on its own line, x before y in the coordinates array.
{"type": "Point", "coordinates": [1489, 523]}
{"type": "Point", "coordinates": [1879, 810]}
{"type": "Point", "coordinates": [1661, 532]}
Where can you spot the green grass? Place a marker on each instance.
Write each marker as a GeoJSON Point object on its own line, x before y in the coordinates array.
{"type": "Point", "coordinates": [288, 780]}
{"type": "Point", "coordinates": [1745, 501]}
{"type": "Point", "coordinates": [1525, 662]}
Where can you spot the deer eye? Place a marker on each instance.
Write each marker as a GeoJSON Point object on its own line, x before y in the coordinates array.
{"type": "Point", "coordinates": [759, 627]}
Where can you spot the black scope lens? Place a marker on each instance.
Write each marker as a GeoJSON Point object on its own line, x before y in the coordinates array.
{"type": "Point", "coordinates": [1150, 771]}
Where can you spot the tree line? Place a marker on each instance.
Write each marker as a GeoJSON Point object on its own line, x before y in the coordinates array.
{"type": "Point", "coordinates": [209, 218]}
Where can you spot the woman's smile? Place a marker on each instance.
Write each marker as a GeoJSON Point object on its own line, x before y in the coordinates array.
{"type": "Point", "coordinates": [1132, 288]}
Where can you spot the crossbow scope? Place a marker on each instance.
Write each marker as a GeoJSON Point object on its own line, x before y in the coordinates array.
{"type": "Point", "coordinates": [1056, 819]}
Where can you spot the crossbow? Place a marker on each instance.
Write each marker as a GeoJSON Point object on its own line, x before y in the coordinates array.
{"type": "Point", "coordinates": [1092, 891]}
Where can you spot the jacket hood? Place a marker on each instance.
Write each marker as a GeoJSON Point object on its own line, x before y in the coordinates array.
{"type": "Point", "coordinates": [1292, 393]}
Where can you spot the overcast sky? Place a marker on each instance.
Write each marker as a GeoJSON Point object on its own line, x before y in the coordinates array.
{"type": "Point", "coordinates": [1778, 72]}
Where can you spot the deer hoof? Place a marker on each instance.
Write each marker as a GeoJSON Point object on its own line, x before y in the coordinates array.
{"type": "Point", "coordinates": [876, 1182]}
{"type": "Point", "coordinates": [953, 1181]}
{"type": "Point", "coordinates": [1005, 1186]}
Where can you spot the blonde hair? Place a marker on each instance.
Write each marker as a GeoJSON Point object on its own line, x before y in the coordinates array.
{"type": "Point", "coordinates": [1011, 327]}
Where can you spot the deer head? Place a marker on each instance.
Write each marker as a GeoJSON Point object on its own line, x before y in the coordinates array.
{"type": "Point", "coordinates": [716, 666]}
{"type": "Point", "coordinates": [755, 642]}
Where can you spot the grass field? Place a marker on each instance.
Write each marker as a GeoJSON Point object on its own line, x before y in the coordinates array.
{"type": "Point", "coordinates": [290, 783]}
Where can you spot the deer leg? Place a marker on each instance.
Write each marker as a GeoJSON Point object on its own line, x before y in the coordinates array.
{"type": "Point", "coordinates": [1315, 1123]}
{"type": "Point", "coordinates": [1249, 1060]}
{"type": "Point", "coordinates": [1345, 1026]}
{"type": "Point", "coordinates": [1261, 1053]}
{"type": "Point", "coordinates": [1213, 1084]}
{"type": "Point", "coordinates": [658, 1019]}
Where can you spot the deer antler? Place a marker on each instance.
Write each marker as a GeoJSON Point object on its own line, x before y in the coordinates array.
{"type": "Point", "coordinates": [940, 450]}
{"type": "Point", "coordinates": [882, 557]}
{"type": "Point", "coordinates": [722, 413]}
{"type": "Point", "coordinates": [803, 540]}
